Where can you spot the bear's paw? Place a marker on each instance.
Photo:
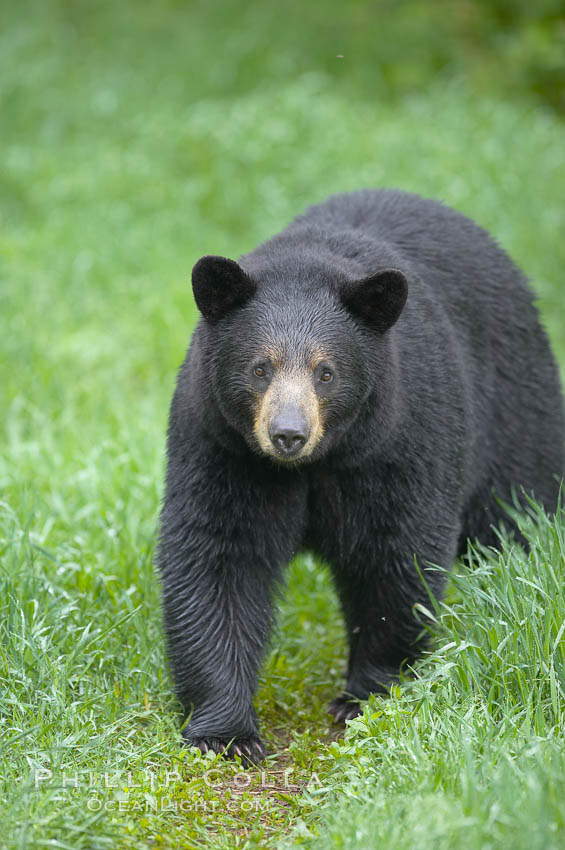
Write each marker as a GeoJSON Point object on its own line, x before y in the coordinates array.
{"type": "Point", "coordinates": [344, 708]}
{"type": "Point", "coordinates": [250, 750]}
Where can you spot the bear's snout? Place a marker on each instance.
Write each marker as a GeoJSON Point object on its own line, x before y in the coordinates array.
{"type": "Point", "coordinates": [288, 424]}
{"type": "Point", "coordinates": [289, 431]}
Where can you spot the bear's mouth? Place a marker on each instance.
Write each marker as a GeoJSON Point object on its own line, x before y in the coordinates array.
{"type": "Point", "coordinates": [299, 459]}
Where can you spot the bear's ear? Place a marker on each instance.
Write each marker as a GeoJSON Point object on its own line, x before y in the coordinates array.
{"type": "Point", "coordinates": [219, 285]}
{"type": "Point", "coordinates": [378, 299]}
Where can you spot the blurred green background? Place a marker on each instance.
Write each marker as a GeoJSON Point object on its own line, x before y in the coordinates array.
{"type": "Point", "coordinates": [135, 137]}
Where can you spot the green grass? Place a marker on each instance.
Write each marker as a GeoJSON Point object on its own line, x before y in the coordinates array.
{"type": "Point", "coordinates": [126, 154]}
{"type": "Point", "coordinates": [471, 754]}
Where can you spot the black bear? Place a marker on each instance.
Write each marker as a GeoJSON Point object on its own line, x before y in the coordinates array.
{"type": "Point", "coordinates": [366, 385]}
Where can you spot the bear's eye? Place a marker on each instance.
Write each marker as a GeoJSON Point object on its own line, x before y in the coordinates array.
{"type": "Point", "coordinates": [326, 376]}
{"type": "Point", "coordinates": [259, 371]}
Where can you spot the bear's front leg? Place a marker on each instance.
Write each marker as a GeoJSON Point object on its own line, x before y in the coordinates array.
{"type": "Point", "coordinates": [227, 530]}
{"type": "Point", "coordinates": [378, 594]}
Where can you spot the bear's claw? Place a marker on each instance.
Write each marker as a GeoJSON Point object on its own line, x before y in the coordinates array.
{"type": "Point", "coordinates": [250, 750]}
{"type": "Point", "coordinates": [344, 708]}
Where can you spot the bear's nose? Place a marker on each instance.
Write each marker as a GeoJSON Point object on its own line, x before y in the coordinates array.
{"type": "Point", "coordinates": [288, 434]}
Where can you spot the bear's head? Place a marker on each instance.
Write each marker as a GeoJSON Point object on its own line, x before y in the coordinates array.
{"type": "Point", "coordinates": [291, 358]}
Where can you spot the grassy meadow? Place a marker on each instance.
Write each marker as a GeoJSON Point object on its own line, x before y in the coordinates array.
{"type": "Point", "coordinates": [134, 139]}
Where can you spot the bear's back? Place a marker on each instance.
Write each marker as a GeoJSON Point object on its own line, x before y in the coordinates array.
{"type": "Point", "coordinates": [453, 265]}
{"type": "Point", "coordinates": [468, 299]}
{"type": "Point", "coordinates": [443, 246]}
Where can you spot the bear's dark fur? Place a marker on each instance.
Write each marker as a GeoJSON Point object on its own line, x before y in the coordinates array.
{"type": "Point", "coordinates": [365, 385]}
